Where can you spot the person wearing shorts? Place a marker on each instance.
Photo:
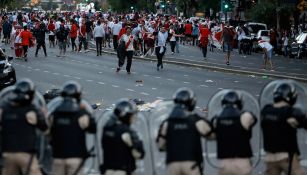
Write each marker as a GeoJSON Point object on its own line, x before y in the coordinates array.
{"type": "Point", "coordinates": [227, 40]}
{"type": "Point", "coordinates": [267, 49]}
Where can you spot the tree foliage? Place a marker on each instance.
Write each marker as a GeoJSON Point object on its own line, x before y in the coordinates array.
{"type": "Point", "coordinates": [11, 4]}
{"type": "Point", "coordinates": [266, 12]}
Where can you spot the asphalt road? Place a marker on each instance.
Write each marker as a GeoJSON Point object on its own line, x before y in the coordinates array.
{"type": "Point", "coordinates": [101, 83]}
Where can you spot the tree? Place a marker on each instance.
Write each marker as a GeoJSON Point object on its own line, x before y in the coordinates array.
{"type": "Point", "coordinates": [188, 7]}
{"type": "Point", "coordinates": [11, 4]}
{"type": "Point", "coordinates": [272, 13]}
{"type": "Point", "coordinates": [50, 5]}
{"type": "Point", "coordinates": [125, 5]}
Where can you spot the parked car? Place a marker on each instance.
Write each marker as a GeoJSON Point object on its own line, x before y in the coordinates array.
{"type": "Point", "coordinates": [254, 28]}
{"type": "Point", "coordinates": [263, 35]}
{"type": "Point", "coordinates": [7, 72]}
{"type": "Point", "coordinates": [299, 47]}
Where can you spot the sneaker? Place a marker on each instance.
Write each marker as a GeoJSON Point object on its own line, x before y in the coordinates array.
{"type": "Point", "coordinates": [128, 73]}
{"type": "Point", "coordinates": [26, 59]}
{"type": "Point", "coordinates": [228, 63]}
{"type": "Point", "coordinates": [158, 68]}
{"type": "Point", "coordinates": [118, 69]}
{"type": "Point", "coordinates": [161, 66]}
{"type": "Point", "coordinates": [172, 53]}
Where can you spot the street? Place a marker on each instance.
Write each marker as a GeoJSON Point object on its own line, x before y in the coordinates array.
{"type": "Point", "coordinates": [102, 84]}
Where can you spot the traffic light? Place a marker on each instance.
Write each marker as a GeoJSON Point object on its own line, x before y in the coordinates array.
{"type": "Point", "coordinates": [226, 5]}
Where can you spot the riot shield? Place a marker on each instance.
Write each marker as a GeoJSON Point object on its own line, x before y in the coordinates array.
{"type": "Point", "coordinates": [301, 102]}
{"type": "Point", "coordinates": [140, 125]}
{"type": "Point", "coordinates": [249, 104]}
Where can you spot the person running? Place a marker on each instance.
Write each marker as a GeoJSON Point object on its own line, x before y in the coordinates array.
{"type": "Point", "coordinates": [128, 40]}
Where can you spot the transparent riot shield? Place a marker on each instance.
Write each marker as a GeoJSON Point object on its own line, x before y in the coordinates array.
{"type": "Point", "coordinates": [301, 103]}
{"type": "Point", "coordinates": [249, 104]}
{"type": "Point", "coordinates": [140, 125]}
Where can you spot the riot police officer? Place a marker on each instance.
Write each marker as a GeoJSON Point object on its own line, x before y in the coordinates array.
{"type": "Point", "coordinates": [180, 136]}
{"type": "Point", "coordinates": [232, 130]}
{"type": "Point", "coordinates": [70, 120]}
{"type": "Point", "coordinates": [121, 144]}
{"type": "Point", "coordinates": [20, 118]}
{"type": "Point", "coordinates": [280, 121]}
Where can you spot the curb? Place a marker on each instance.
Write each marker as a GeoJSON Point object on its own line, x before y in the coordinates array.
{"type": "Point", "coordinates": [220, 69]}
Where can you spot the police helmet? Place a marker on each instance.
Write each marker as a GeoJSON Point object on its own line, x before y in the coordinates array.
{"type": "Point", "coordinates": [285, 92]}
{"type": "Point", "coordinates": [232, 98]}
{"type": "Point", "coordinates": [71, 89]}
{"type": "Point", "coordinates": [24, 91]}
{"type": "Point", "coordinates": [186, 98]}
{"type": "Point", "coordinates": [124, 110]}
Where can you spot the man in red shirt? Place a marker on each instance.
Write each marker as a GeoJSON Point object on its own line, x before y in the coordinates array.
{"type": "Point", "coordinates": [51, 28]}
{"type": "Point", "coordinates": [82, 37]}
{"type": "Point", "coordinates": [73, 34]}
{"type": "Point", "coordinates": [25, 36]}
{"type": "Point", "coordinates": [204, 39]}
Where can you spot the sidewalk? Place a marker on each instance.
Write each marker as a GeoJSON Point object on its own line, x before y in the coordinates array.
{"type": "Point", "coordinates": [285, 68]}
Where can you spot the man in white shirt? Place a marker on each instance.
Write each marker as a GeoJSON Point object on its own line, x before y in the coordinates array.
{"type": "Point", "coordinates": [161, 47]}
{"type": "Point", "coordinates": [127, 44]}
{"type": "Point", "coordinates": [99, 34]}
{"type": "Point", "coordinates": [285, 40]}
{"type": "Point", "coordinates": [115, 30]}
{"type": "Point", "coordinates": [267, 49]}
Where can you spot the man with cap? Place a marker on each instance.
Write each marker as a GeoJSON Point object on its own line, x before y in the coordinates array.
{"type": "Point", "coordinates": [19, 120]}
{"type": "Point", "coordinates": [280, 122]}
{"type": "Point", "coordinates": [120, 143]}
{"type": "Point", "coordinates": [70, 120]}
{"type": "Point", "coordinates": [233, 131]}
{"type": "Point", "coordinates": [267, 49]}
{"type": "Point", "coordinates": [180, 136]}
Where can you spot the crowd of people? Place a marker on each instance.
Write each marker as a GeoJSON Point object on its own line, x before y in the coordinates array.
{"type": "Point", "coordinates": [150, 34]}
{"type": "Point", "coordinates": [68, 117]}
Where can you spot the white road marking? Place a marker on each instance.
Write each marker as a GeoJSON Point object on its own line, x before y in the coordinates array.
{"type": "Point", "coordinates": [170, 79]}
{"type": "Point", "coordinates": [220, 88]}
{"type": "Point", "coordinates": [146, 75]}
{"type": "Point", "coordinates": [160, 98]}
{"type": "Point", "coordinates": [186, 82]}
{"type": "Point", "coordinates": [185, 75]}
{"type": "Point", "coordinates": [144, 93]}
{"type": "Point", "coordinates": [55, 73]}
{"type": "Point", "coordinates": [100, 72]}
{"type": "Point", "coordinates": [100, 82]}
{"type": "Point", "coordinates": [46, 71]}
{"type": "Point", "coordinates": [157, 77]}
{"type": "Point", "coordinates": [131, 90]}
{"type": "Point", "coordinates": [29, 67]}
{"type": "Point", "coordinates": [89, 80]}
{"type": "Point", "coordinates": [67, 76]}
{"type": "Point", "coordinates": [203, 85]}
{"type": "Point", "coordinates": [236, 81]}
{"type": "Point", "coordinates": [115, 86]}
{"type": "Point", "coordinates": [37, 69]}
{"type": "Point", "coordinates": [78, 78]}
{"type": "Point", "coordinates": [209, 81]}
{"type": "Point", "coordinates": [154, 88]}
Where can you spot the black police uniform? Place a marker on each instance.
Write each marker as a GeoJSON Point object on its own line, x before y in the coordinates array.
{"type": "Point", "coordinates": [68, 139]}
{"type": "Point", "coordinates": [117, 154]}
{"type": "Point", "coordinates": [183, 139]}
{"type": "Point", "coordinates": [19, 139]}
{"type": "Point", "coordinates": [233, 140]}
{"type": "Point", "coordinates": [278, 134]}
